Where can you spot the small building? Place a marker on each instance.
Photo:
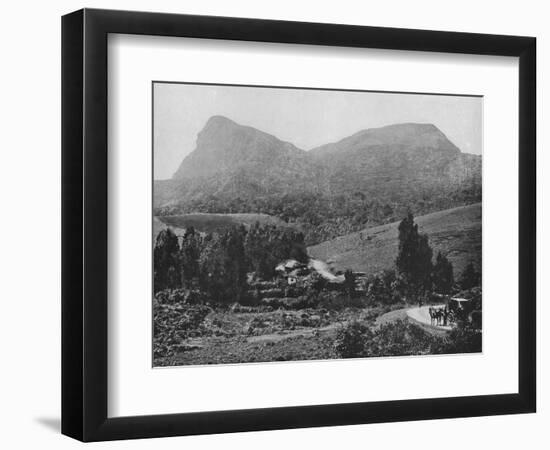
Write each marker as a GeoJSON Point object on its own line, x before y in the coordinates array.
{"type": "Point", "coordinates": [289, 265]}
{"type": "Point", "coordinates": [291, 270]}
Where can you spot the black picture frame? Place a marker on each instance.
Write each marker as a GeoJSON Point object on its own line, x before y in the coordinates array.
{"type": "Point", "coordinates": [84, 224]}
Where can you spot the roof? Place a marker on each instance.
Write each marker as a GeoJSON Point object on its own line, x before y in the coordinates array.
{"type": "Point", "coordinates": [289, 264]}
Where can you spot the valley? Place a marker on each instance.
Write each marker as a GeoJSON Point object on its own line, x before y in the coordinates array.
{"type": "Point", "coordinates": [456, 232]}
{"type": "Point", "coordinates": [267, 252]}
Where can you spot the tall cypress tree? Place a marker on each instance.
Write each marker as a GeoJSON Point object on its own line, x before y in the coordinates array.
{"type": "Point", "coordinates": [414, 258]}
{"type": "Point", "coordinates": [166, 261]}
{"type": "Point", "coordinates": [189, 256]}
{"type": "Point", "coordinates": [442, 275]}
{"type": "Point", "coordinates": [212, 269]}
{"type": "Point", "coordinates": [469, 277]}
{"type": "Point", "coordinates": [235, 263]}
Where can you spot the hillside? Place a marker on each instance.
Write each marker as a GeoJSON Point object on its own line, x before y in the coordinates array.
{"type": "Point", "coordinates": [235, 161]}
{"type": "Point", "coordinates": [210, 223]}
{"type": "Point", "coordinates": [370, 178]}
{"type": "Point", "coordinates": [397, 163]}
{"type": "Point", "coordinates": [390, 161]}
{"type": "Point", "coordinates": [455, 232]}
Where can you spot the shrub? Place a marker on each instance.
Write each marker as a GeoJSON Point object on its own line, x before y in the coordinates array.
{"type": "Point", "coordinates": [399, 338]}
{"type": "Point", "coordinates": [460, 340]}
{"type": "Point", "coordinates": [294, 291]}
{"type": "Point", "coordinates": [384, 288]}
{"type": "Point", "coordinates": [174, 323]}
{"type": "Point", "coordinates": [476, 319]}
{"type": "Point", "coordinates": [315, 282]}
{"type": "Point", "coordinates": [185, 296]}
{"type": "Point", "coordinates": [350, 340]}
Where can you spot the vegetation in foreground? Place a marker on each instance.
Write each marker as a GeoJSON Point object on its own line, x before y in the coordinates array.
{"type": "Point", "coordinates": [218, 299]}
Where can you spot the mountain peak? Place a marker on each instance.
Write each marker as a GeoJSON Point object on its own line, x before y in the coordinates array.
{"type": "Point", "coordinates": [399, 132]}
{"type": "Point", "coordinates": [234, 161]}
{"type": "Point", "coordinates": [217, 124]}
{"type": "Point", "coordinates": [224, 146]}
{"type": "Point", "coordinates": [398, 136]}
{"type": "Point", "coordinates": [409, 127]}
{"type": "Point", "coordinates": [219, 120]}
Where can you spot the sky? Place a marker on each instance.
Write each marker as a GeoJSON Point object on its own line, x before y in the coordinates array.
{"type": "Point", "coordinates": [306, 118]}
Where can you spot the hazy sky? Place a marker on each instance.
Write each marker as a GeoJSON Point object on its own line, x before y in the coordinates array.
{"type": "Point", "coordinates": [306, 118]}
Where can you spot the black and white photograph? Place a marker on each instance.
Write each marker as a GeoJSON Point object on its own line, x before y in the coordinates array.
{"type": "Point", "coordinates": [275, 225]}
{"type": "Point", "coordinates": [295, 224]}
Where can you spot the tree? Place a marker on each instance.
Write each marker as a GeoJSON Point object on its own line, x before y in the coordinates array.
{"type": "Point", "coordinates": [470, 277]}
{"type": "Point", "coordinates": [266, 246]}
{"type": "Point", "coordinates": [297, 249]}
{"type": "Point", "coordinates": [317, 282]}
{"type": "Point", "coordinates": [258, 251]}
{"type": "Point", "coordinates": [212, 275]}
{"type": "Point", "coordinates": [166, 261]}
{"type": "Point", "coordinates": [442, 275]}
{"type": "Point", "coordinates": [235, 263]}
{"type": "Point", "coordinates": [350, 340]}
{"type": "Point", "coordinates": [349, 283]}
{"type": "Point", "coordinates": [381, 288]}
{"type": "Point", "coordinates": [223, 266]}
{"type": "Point", "coordinates": [189, 256]}
{"type": "Point", "coordinates": [414, 258]}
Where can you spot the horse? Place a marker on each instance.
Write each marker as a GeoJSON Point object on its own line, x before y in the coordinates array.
{"type": "Point", "coordinates": [433, 315]}
{"type": "Point", "coordinates": [439, 316]}
{"type": "Point", "coordinates": [445, 316]}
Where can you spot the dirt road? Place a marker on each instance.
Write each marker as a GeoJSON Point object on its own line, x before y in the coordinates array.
{"type": "Point", "coordinates": [420, 316]}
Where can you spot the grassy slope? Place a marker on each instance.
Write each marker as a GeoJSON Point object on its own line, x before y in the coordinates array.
{"type": "Point", "coordinates": [455, 232]}
{"type": "Point", "coordinates": [209, 223]}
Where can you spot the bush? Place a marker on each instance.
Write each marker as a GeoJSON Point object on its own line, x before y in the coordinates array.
{"type": "Point", "coordinates": [476, 319]}
{"type": "Point", "coordinates": [294, 291]}
{"type": "Point", "coordinates": [397, 338]}
{"type": "Point", "coordinates": [460, 340]}
{"type": "Point", "coordinates": [350, 340]}
{"type": "Point", "coordinates": [174, 323]}
{"type": "Point", "coordinates": [384, 288]}
{"type": "Point", "coordinates": [185, 296]}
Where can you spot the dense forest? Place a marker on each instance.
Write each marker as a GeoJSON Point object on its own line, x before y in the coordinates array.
{"type": "Point", "coordinates": [218, 263]}
{"type": "Point", "coordinates": [323, 217]}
